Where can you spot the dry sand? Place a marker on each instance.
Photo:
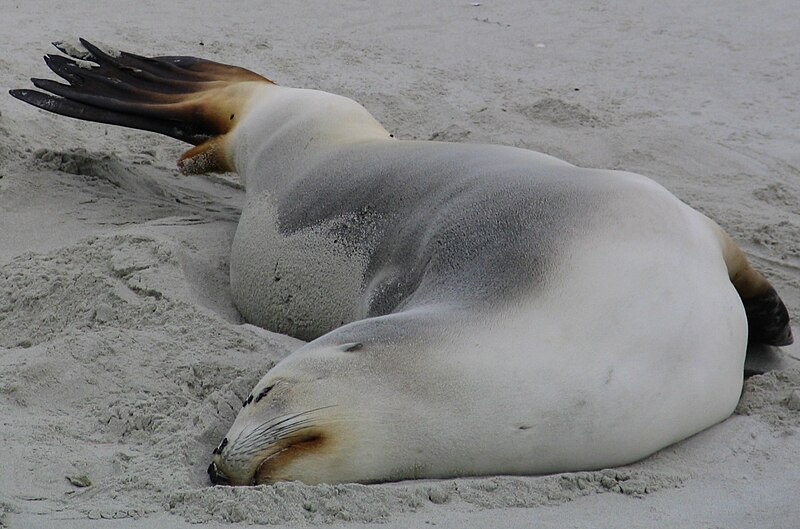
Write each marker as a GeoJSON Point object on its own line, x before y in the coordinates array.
{"type": "Point", "coordinates": [123, 359]}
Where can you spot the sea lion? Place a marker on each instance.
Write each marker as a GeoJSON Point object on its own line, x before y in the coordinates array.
{"type": "Point", "coordinates": [472, 309]}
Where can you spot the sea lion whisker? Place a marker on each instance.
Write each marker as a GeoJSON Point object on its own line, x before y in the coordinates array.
{"type": "Point", "coordinates": [272, 431]}
{"type": "Point", "coordinates": [284, 429]}
{"type": "Point", "coordinates": [256, 438]}
{"type": "Point", "coordinates": [272, 423]}
{"type": "Point", "coordinates": [255, 444]}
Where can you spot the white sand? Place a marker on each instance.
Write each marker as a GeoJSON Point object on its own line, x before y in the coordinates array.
{"type": "Point", "coordinates": [123, 359]}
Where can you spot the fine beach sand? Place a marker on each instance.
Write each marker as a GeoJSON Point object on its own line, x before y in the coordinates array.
{"type": "Point", "coordinates": [122, 358]}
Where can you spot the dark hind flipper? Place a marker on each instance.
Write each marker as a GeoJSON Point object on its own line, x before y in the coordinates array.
{"type": "Point", "coordinates": [187, 98]}
{"type": "Point", "coordinates": [767, 317]}
{"type": "Point", "coordinates": [66, 107]}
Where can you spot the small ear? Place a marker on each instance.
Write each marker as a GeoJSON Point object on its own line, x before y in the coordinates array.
{"type": "Point", "coordinates": [350, 347]}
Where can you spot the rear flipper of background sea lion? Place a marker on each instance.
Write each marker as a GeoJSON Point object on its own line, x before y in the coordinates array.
{"type": "Point", "coordinates": [767, 317]}
{"type": "Point", "coordinates": [190, 99]}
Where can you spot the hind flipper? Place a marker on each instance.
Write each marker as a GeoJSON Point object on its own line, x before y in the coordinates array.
{"type": "Point", "coordinates": [190, 99]}
{"type": "Point", "coordinates": [767, 317]}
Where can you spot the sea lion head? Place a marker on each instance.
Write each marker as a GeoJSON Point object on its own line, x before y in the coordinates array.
{"type": "Point", "coordinates": [277, 438]}
{"type": "Point", "coordinates": [371, 401]}
{"type": "Point", "coordinates": [313, 418]}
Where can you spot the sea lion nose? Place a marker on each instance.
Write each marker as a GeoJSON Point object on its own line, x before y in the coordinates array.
{"type": "Point", "coordinates": [217, 476]}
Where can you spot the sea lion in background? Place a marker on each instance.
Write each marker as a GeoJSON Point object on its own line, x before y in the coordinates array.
{"type": "Point", "coordinates": [473, 309]}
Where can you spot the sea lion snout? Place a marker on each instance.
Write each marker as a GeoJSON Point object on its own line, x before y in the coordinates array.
{"type": "Point", "coordinates": [217, 477]}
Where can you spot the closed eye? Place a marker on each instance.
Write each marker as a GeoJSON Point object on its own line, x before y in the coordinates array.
{"type": "Point", "coordinates": [259, 397]}
{"type": "Point", "coordinates": [264, 392]}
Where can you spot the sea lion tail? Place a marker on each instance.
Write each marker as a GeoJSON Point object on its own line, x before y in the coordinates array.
{"type": "Point", "coordinates": [767, 317]}
{"type": "Point", "coordinates": [190, 99]}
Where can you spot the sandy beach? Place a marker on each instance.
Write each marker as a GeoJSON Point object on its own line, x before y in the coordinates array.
{"type": "Point", "coordinates": [123, 360]}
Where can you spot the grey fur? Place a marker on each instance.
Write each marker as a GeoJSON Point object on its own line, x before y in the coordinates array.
{"type": "Point", "coordinates": [433, 222]}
